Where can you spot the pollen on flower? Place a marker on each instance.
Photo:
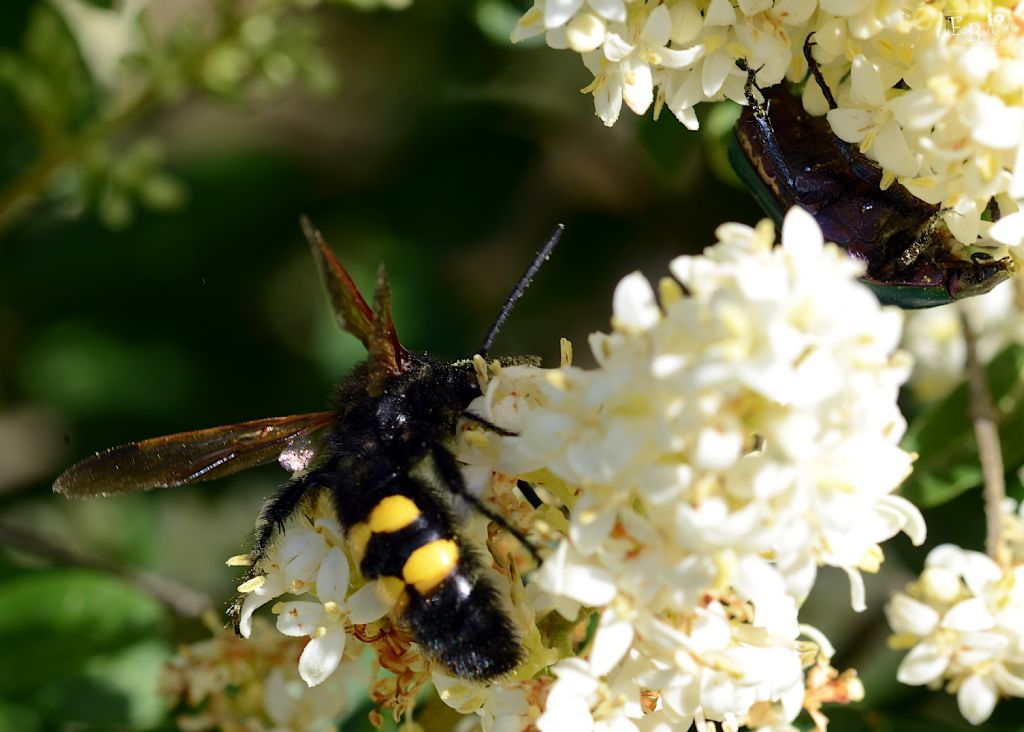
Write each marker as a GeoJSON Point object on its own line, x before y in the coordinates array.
{"type": "Point", "coordinates": [251, 585]}
{"type": "Point", "coordinates": [565, 352]}
{"type": "Point", "coordinates": [477, 438]}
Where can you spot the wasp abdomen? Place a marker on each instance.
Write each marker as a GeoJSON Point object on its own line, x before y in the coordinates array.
{"type": "Point", "coordinates": [462, 623]}
{"type": "Point", "coordinates": [407, 543]}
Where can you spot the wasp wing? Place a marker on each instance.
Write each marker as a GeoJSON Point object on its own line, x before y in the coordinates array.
{"type": "Point", "coordinates": [387, 357]}
{"type": "Point", "coordinates": [188, 457]}
{"type": "Point", "coordinates": [350, 309]}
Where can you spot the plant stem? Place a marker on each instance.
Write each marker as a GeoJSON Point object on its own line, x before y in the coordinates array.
{"type": "Point", "coordinates": [181, 599]}
{"type": "Point", "coordinates": [17, 198]}
{"type": "Point", "coordinates": [986, 432]}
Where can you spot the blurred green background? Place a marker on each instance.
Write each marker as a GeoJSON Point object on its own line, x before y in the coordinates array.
{"type": "Point", "coordinates": [438, 148]}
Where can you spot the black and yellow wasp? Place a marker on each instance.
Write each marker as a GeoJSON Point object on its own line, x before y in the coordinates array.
{"type": "Point", "coordinates": [393, 412]}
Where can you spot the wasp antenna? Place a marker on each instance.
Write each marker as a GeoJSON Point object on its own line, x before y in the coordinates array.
{"type": "Point", "coordinates": [520, 288]}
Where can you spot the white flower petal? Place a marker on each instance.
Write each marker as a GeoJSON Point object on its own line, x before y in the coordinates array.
{"type": "Point", "coordinates": [104, 37]}
{"type": "Point", "coordinates": [616, 48]}
{"type": "Point", "coordinates": [715, 70]}
{"type": "Point", "coordinates": [867, 84]}
{"type": "Point", "coordinates": [332, 579]}
{"type": "Point", "coordinates": [977, 698]}
{"type": "Point", "coordinates": [634, 305]}
{"type": "Point", "coordinates": [321, 656]}
{"type": "Point", "coordinates": [968, 615]}
{"type": "Point", "coordinates": [611, 641]}
{"type": "Point", "coordinates": [850, 125]}
{"type": "Point", "coordinates": [558, 12]}
{"type": "Point", "coordinates": [892, 151]}
{"type": "Point", "coordinates": [300, 618]}
{"type": "Point", "coordinates": [1008, 683]}
{"type": "Point", "coordinates": [585, 33]}
{"type": "Point", "coordinates": [365, 605]}
{"type": "Point", "coordinates": [637, 85]}
{"type": "Point", "coordinates": [720, 12]}
{"type": "Point", "coordinates": [1009, 230]}
{"type": "Point", "coordinates": [562, 574]}
{"type": "Point", "coordinates": [571, 714]}
{"type": "Point", "coordinates": [658, 28]}
{"type": "Point", "coordinates": [801, 235]}
{"type": "Point", "coordinates": [907, 615]}
{"type": "Point", "coordinates": [612, 10]}
{"type": "Point", "coordinates": [994, 124]}
{"type": "Point", "coordinates": [858, 599]}
{"type": "Point", "coordinates": [680, 59]}
{"type": "Point", "coordinates": [923, 664]}
{"type": "Point", "coordinates": [272, 587]}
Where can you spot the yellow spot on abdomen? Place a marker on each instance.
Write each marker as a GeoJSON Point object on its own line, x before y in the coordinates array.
{"type": "Point", "coordinates": [430, 565]}
{"type": "Point", "coordinates": [393, 513]}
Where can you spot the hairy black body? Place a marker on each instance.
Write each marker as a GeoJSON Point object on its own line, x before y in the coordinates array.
{"type": "Point", "coordinates": [393, 414]}
{"type": "Point", "coordinates": [373, 448]}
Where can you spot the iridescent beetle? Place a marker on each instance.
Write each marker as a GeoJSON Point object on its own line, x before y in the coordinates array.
{"type": "Point", "coordinates": [912, 258]}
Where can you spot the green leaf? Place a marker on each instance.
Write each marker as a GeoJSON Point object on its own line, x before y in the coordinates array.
{"type": "Point", "coordinates": [18, 718]}
{"type": "Point", "coordinates": [112, 691]}
{"type": "Point", "coordinates": [53, 623]}
{"type": "Point", "coordinates": [943, 435]}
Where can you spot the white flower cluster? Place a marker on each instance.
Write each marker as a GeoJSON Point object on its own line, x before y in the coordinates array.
{"type": "Point", "coordinates": [963, 621]}
{"type": "Point", "coordinates": [931, 91]}
{"type": "Point", "coordinates": [740, 431]}
{"type": "Point", "coordinates": [933, 95]}
{"type": "Point", "coordinates": [309, 559]}
{"type": "Point", "coordinates": [251, 685]}
{"type": "Point", "coordinates": [716, 458]}
{"type": "Point", "coordinates": [676, 54]}
{"type": "Point", "coordinates": [935, 338]}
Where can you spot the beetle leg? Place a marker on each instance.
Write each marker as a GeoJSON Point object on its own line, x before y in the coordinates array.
{"type": "Point", "coordinates": [815, 68]}
{"type": "Point", "coordinates": [763, 122]}
{"type": "Point", "coordinates": [758, 107]}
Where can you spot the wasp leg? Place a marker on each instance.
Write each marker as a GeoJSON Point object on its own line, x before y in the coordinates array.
{"type": "Point", "coordinates": [525, 488]}
{"type": "Point", "coordinates": [451, 476]}
{"type": "Point", "coordinates": [288, 499]}
{"type": "Point", "coordinates": [529, 493]}
{"type": "Point", "coordinates": [488, 424]}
